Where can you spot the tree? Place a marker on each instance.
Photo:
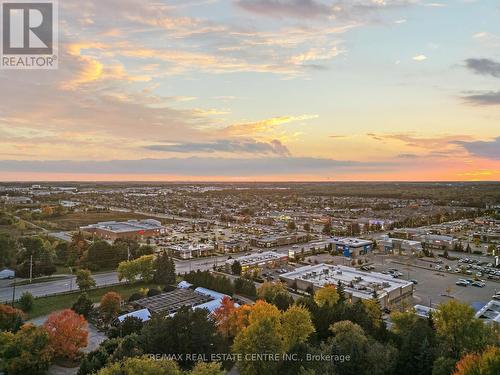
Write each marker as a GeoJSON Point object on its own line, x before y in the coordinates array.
{"type": "Point", "coordinates": [341, 292]}
{"type": "Point", "coordinates": [8, 250]}
{"type": "Point", "coordinates": [141, 267]}
{"type": "Point", "coordinates": [84, 280]}
{"type": "Point", "coordinates": [296, 325]}
{"type": "Point", "coordinates": [236, 268]}
{"type": "Point", "coordinates": [207, 368]}
{"type": "Point", "coordinates": [291, 226]}
{"type": "Point", "coordinates": [188, 331]}
{"type": "Point", "coordinates": [141, 366]}
{"type": "Point", "coordinates": [415, 338]}
{"type": "Point", "coordinates": [225, 318]}
{"type": "Point", "coordinates": [130, 325]}
{"type": "Point", "coordinates": [261, 336]}
{"type": "Point", "coordinates": [164, 269]}
{"type": "Point", "coordinates": [458, 330]}
{"type": "Point", "coordinates": [327, 229]}
{"type": "Point", "coordinates": [11, 319]}
{"type": "Point", "coordinates": [26, 301]}
{"type": "Point", "coordinates": [68, 332]}
{"type": "Point", "coordinates": [326, 296]}
{"type": "Point", "coordinates": [245, 287]}
{"type": "Point", "coordinates": [26, 352]}
{"type": "Point", "coordinates": [275, 293]}
{"type": "Point", "coordinates": [83, 305]}
{"type": "Point", "coordinates": [364, 352]}
{"type": "Point", "coordinates": [110, 306]}
{"type": "Point", "coordinates": [307, 227]}
{"type": "Point", "coordinates": [485, 363]}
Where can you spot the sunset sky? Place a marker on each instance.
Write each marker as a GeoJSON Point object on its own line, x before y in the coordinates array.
{"type": "Point", "coordinates": [254, 90]}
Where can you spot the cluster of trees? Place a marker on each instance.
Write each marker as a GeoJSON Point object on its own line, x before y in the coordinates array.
{"type": "Point", "coordinates": [245, 287]}
{"type": "Point", "coordinates": [441, 345]}
{"type": "Point", "coordinates": [222, 284]}
{"type": "Point", "coordinates": [140, 268]}
{"type": "Point", "coordinates": [206, 279]}
{"type": "Point", "coordinates": [188, 331]}
{"type": "Point", "coordinates": [27, 349]}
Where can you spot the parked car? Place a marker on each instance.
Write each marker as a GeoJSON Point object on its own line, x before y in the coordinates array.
{"type": "Point", "coordinates": [462, 283]}
{"type": "Point", "coordinates": [478, 284]}
{"type": "Point", "coordinates": [414, 281]}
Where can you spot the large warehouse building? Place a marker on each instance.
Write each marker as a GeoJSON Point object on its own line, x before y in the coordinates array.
{"type": "Point", "coordinates": [131, 229]}
{"type": "Point", "coordinates": [358, 285]}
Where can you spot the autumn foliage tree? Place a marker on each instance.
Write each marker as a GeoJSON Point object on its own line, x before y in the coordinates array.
{"type": "Point", "coordinates": [11, 318]}
{"type": "Point", "coordinates": [26, 352]}
{"type": "Point", "coordinates": [68, 333]}
{"type": "Point", "coordinates": [486, 363]}
{"type": "Point", "coordinates": [225, 318]}
{"type": "Point", "coordinates": [110, 306]}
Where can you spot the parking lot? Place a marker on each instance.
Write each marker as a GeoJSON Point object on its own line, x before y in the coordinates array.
{"type": "Point", "coordinates": [435, 286]}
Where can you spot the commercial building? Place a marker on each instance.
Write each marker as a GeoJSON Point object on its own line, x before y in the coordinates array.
{"type": "Point", "coordinates": [191, 250]}
{"type": "Point", "coordinates": [131, 229]}
{"type": "Point", "coordinates": [231, 246]}
{"type": "Point", "coordinates": [438, 242]}
{"type": "Point", "coordinates": [275, 240]}
{"type": "Point", "coordinates": [269, 259]}
{"type": "Point", "coordinates": [308, 248]}
{"type": "Point", "coordinates": [490, 312]}
{"type": "Point", "coordinates": [357, 285]}
{"type": "Point", "coordinates": [395, 245]}
{"type": "Point", "coordinates": [351, 247]}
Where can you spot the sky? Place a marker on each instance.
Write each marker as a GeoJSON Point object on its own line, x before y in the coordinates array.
{"type": "Point", "coordinates": [260, 90]}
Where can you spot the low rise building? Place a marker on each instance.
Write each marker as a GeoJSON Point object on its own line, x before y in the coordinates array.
{"type": "Point", "coordinates": [490, 312]}
{"type": "Point", "coordinates": [351, 247]}
{"type": "Point", "coordinates": [131, 229]}
{"type": "Point", "coordinates": [191, 250]}
{"type": "Point", "coordinates": [357, 285]}
{"type": "Point", "coordinates": [269, 259]}
{"type": "Point", "coordinates": [395, 245]}
{"type": "Point", "coordinates": [275, 240]}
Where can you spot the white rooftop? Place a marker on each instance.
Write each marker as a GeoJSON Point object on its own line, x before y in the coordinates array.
{"type": "Point", "coordinates": [257, 258]}
{"type": "Point", "coordinates": [360, 284]}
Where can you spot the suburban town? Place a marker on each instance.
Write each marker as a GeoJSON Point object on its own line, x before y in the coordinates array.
{"type": "Point", "coordinates": [123, 256]}
{"type": "Point", "coordinates": [250, 187]}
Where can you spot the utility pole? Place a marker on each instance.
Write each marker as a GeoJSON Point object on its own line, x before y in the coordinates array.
{"type": "Point", "coordinates": [31, 268]}
{"type": "Point", "coordinates": [14, 292]}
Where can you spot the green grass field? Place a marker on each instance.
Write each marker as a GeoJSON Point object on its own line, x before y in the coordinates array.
{"type": "Point", "coordinates": [46, 305]}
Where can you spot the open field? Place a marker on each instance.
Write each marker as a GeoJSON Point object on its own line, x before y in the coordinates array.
{"type": "Point", "coordinates": [45, 305]}
{"type": "Point", "coordinates": [74, 220]}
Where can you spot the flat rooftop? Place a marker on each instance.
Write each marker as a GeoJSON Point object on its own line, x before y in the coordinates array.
{"type": "Point", "coordinates": [266, 256]}
{"type": "Point", "coordinates": [350, 241]}
{"type": "Point", "coordinates": [126, 226]}
{"type": "Point", "coordinates": [360, 284]}
{"type": "Point", "coordinates": [490, 312]}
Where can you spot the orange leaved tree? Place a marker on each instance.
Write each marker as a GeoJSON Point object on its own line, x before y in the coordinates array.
{"type": "Point", "coordinates": [225, 318]}
{"type": "Point", "coordinates": [68, 333]}
{"type": "Point", "coordinates": [110, 306]}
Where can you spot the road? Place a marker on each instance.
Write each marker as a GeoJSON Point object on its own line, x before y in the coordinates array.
{"type": "Point", "coordinates": [68, 283]}
{"type": "Point", "coordinates": [51, 287]}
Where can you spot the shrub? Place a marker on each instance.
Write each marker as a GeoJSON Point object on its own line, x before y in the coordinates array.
{"type": "Point", "coordinates": [26, 301]}
{"type": "Point", "coordinates": [11, 319]}
{"type": "Point", "coordinates": [83, 305]}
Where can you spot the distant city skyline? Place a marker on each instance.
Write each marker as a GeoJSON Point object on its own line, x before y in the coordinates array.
{"type": "Point", "coordinates": [260, 90]}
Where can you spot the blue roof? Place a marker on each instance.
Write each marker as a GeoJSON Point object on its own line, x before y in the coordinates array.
{"type": "Point", "coordinates": [184, 285]}
{"type": "Point", "coordinates": [211, 293]}
{"type": "Point", "coordinates": [142, 314]}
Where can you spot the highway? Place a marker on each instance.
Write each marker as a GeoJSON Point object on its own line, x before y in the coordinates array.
{"type": "Point", "coordinates": [68, 283]}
